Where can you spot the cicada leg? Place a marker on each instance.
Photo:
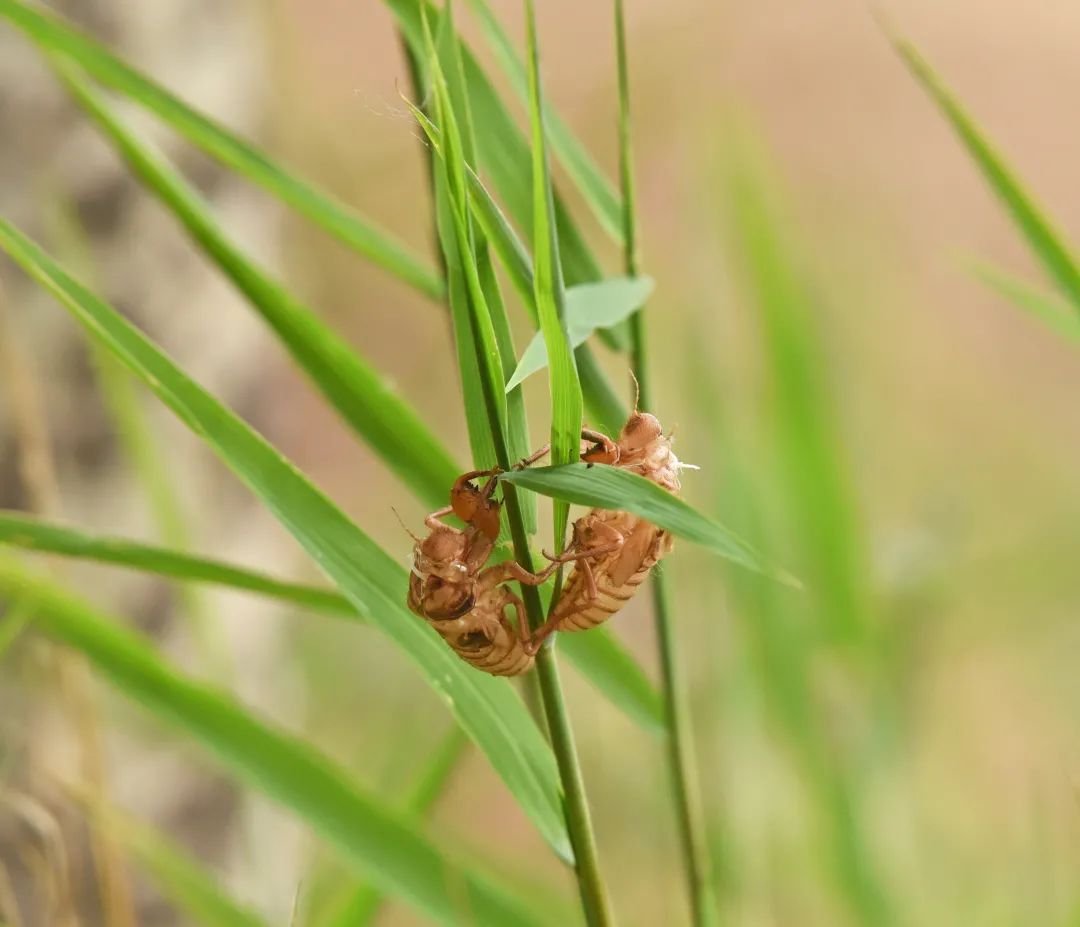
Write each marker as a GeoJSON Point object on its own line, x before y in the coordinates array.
{"type": "Point", "coordinates": [582, 557]}
{"type": "Point", "coordinates": [603, 451]}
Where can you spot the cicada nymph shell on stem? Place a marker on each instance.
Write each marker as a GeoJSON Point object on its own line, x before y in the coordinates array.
{"type": "Point", "coordinates": [462, 600]}
{"type": "Point", "coordinates": [613, 551]}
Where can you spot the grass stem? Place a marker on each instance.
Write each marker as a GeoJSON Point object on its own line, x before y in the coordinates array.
{"type": "Point", "coordinates": [682, 760]}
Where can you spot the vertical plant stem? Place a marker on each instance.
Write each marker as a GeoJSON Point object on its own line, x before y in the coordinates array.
{"type": "Point", "coordinates": [576, 807]}
{"type": "Point", "coordinates": [682, 760]}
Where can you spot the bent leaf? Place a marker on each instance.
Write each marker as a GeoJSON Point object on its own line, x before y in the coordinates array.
{"type": "Point", "coordinates": [611, 488]}
{"type": "Point", "coordinates": [589, 306]}
{"type": "Point", "coordinates": [1046, 241]}
{"type": "Point", "coordinates": [1051, 309]}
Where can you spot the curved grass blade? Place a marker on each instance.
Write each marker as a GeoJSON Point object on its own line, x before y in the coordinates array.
{"type": "Point", "coordinates": [485, 345]}
{"type": "Point", "coordinates": [596, 189]}
{"type": "Point", "coordinates": [605, 407]}
{"type": "Point", "coordinates": [567, 406]}
{"type": "Point", "coordinates": [379, 844]}
{"type": "Point", "coordinates": [374, 410]}
{"type": "Point", "coordinates": [488, 709]}
{"type": "Point", "coordinates": [54, 35]}
{"type": "Point", "coordinates": [1051, 309]}
{"type": "Point", "coordinates": [179, 877]}
{"type": "Point", "coordinates": [588, 307]}
{"type": "Point", "coordinates": [1048, 244]}
{"type": "Point", "coordinates": [517, 428]}
{"type": "Point", "coordinates": [600, 657]}
{"type": "Point", "coordinates": [30, 533]}
{"type": "Point", "coordinates": [504, 155]}
{"type": "Point", "coordinates": [612, 488]}
{"type": "Point", "coordinates": [813, 477]}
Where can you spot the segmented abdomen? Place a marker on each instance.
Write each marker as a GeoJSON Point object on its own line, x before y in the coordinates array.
{"type": "Point", "coordinates": [579, 613]}
{"type": "Point", "coordinates": [498, 651]}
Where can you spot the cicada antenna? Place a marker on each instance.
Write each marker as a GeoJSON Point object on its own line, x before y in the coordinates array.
{"type": "Point", "coordinates": [405, 527]}
{"type": "Point", "coordinates": [637, 391]}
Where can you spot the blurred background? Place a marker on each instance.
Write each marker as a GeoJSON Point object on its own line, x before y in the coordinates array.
{"type": "Point", "coordinates": [908, 731]}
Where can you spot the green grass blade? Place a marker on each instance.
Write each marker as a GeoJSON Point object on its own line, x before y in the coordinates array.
{"type": "Point", "coordinates": [567, 406]}
{"type": "Point", "coordinates": [1051, 309]}
{"type": "Point", "coordinates": [30, 533]}
{"type": "Point", "coordinates": [612, 488]}
{"type": "Point", "coordinates": [605, 408]}
{"type": "Point", "coordinates": [373, 409]}
{"type": "Point", "coordinates": [600, 657]}
{"type": "Point", "coordinates": [487, 708]}
{"type": "Point", "coordinates": [504, 154]}
{"type": "Point", "coordinates": [596, 189]}
{"type": "Point", "coordinates": [1048, 244]}
{"type": "Point", "coordinates": [814, 479]}
{"type": "Point", "coordinates": [55, 35]}
{"type": "Point", "coordinates": [379, 844]}
{"type": "Point", "coordinates": [179, 877]}
{"type": "Point", "coordinates": [15, 619]}
{"type": "Point", "coordinates": [363, 901]}
{"type": "Point", "coordinates": [588, 307]}
{"type": "Point", "coordinates": [517, 427]}
{"type": "Point", "coordinates": [485, 345]}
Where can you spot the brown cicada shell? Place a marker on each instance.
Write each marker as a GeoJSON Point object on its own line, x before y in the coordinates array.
{"type": "Point", "coordinates": [613, 551]}
{"type": "Point", "coordinates": [465, 603]}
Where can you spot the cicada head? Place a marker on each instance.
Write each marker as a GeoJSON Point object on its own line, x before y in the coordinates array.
{"type": "Point", "coordinates": [443, 553]}
{"type": "Point", "coordinates": [639, 434]}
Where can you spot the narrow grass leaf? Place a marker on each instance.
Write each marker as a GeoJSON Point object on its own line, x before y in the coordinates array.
{"type": "Point", "coordinates": [485, 344]}
{"type": "Point", "coordinates": [30, 533]}
{"type": "Point", "coordinates": [600, 659]}
{"type": "Point", "coordinates": [504, 155]}
{"type": "Point", "coordinates": [1048, 244]}
{"type": "Point", "coordinates": [589, 306]}
{"type": "Point", "coordinates": [566, 402]}
{"type": "Point", "coordinates": [363, 399]}
{"type": "Point", "coordinates": [180, 878]}
{"type": "Point", "coordinates": [487, 708]}
{"type": "Point", "coordinates": [607, 411]}
{"type": "Point", "coordinates": [1048, 307]}
{"type": "Point", "coordinates": [813, 477]}
{"type": "Point", "coordinates": [596, 189]}
{"type": "Point", "coordinates": [611, 488]}
{"type": "Point", "coordinates": [517, 426]}
{"type": "Point", "coordinates": [379, 844]}
{"type": "Point", "coordinates": [16, 617]}
{"type": "Point", "coordinates": [53, 34]}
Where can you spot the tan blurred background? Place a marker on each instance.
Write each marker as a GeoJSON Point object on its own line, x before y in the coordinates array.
{"type": "Point", "coordinates": [956, 417]}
